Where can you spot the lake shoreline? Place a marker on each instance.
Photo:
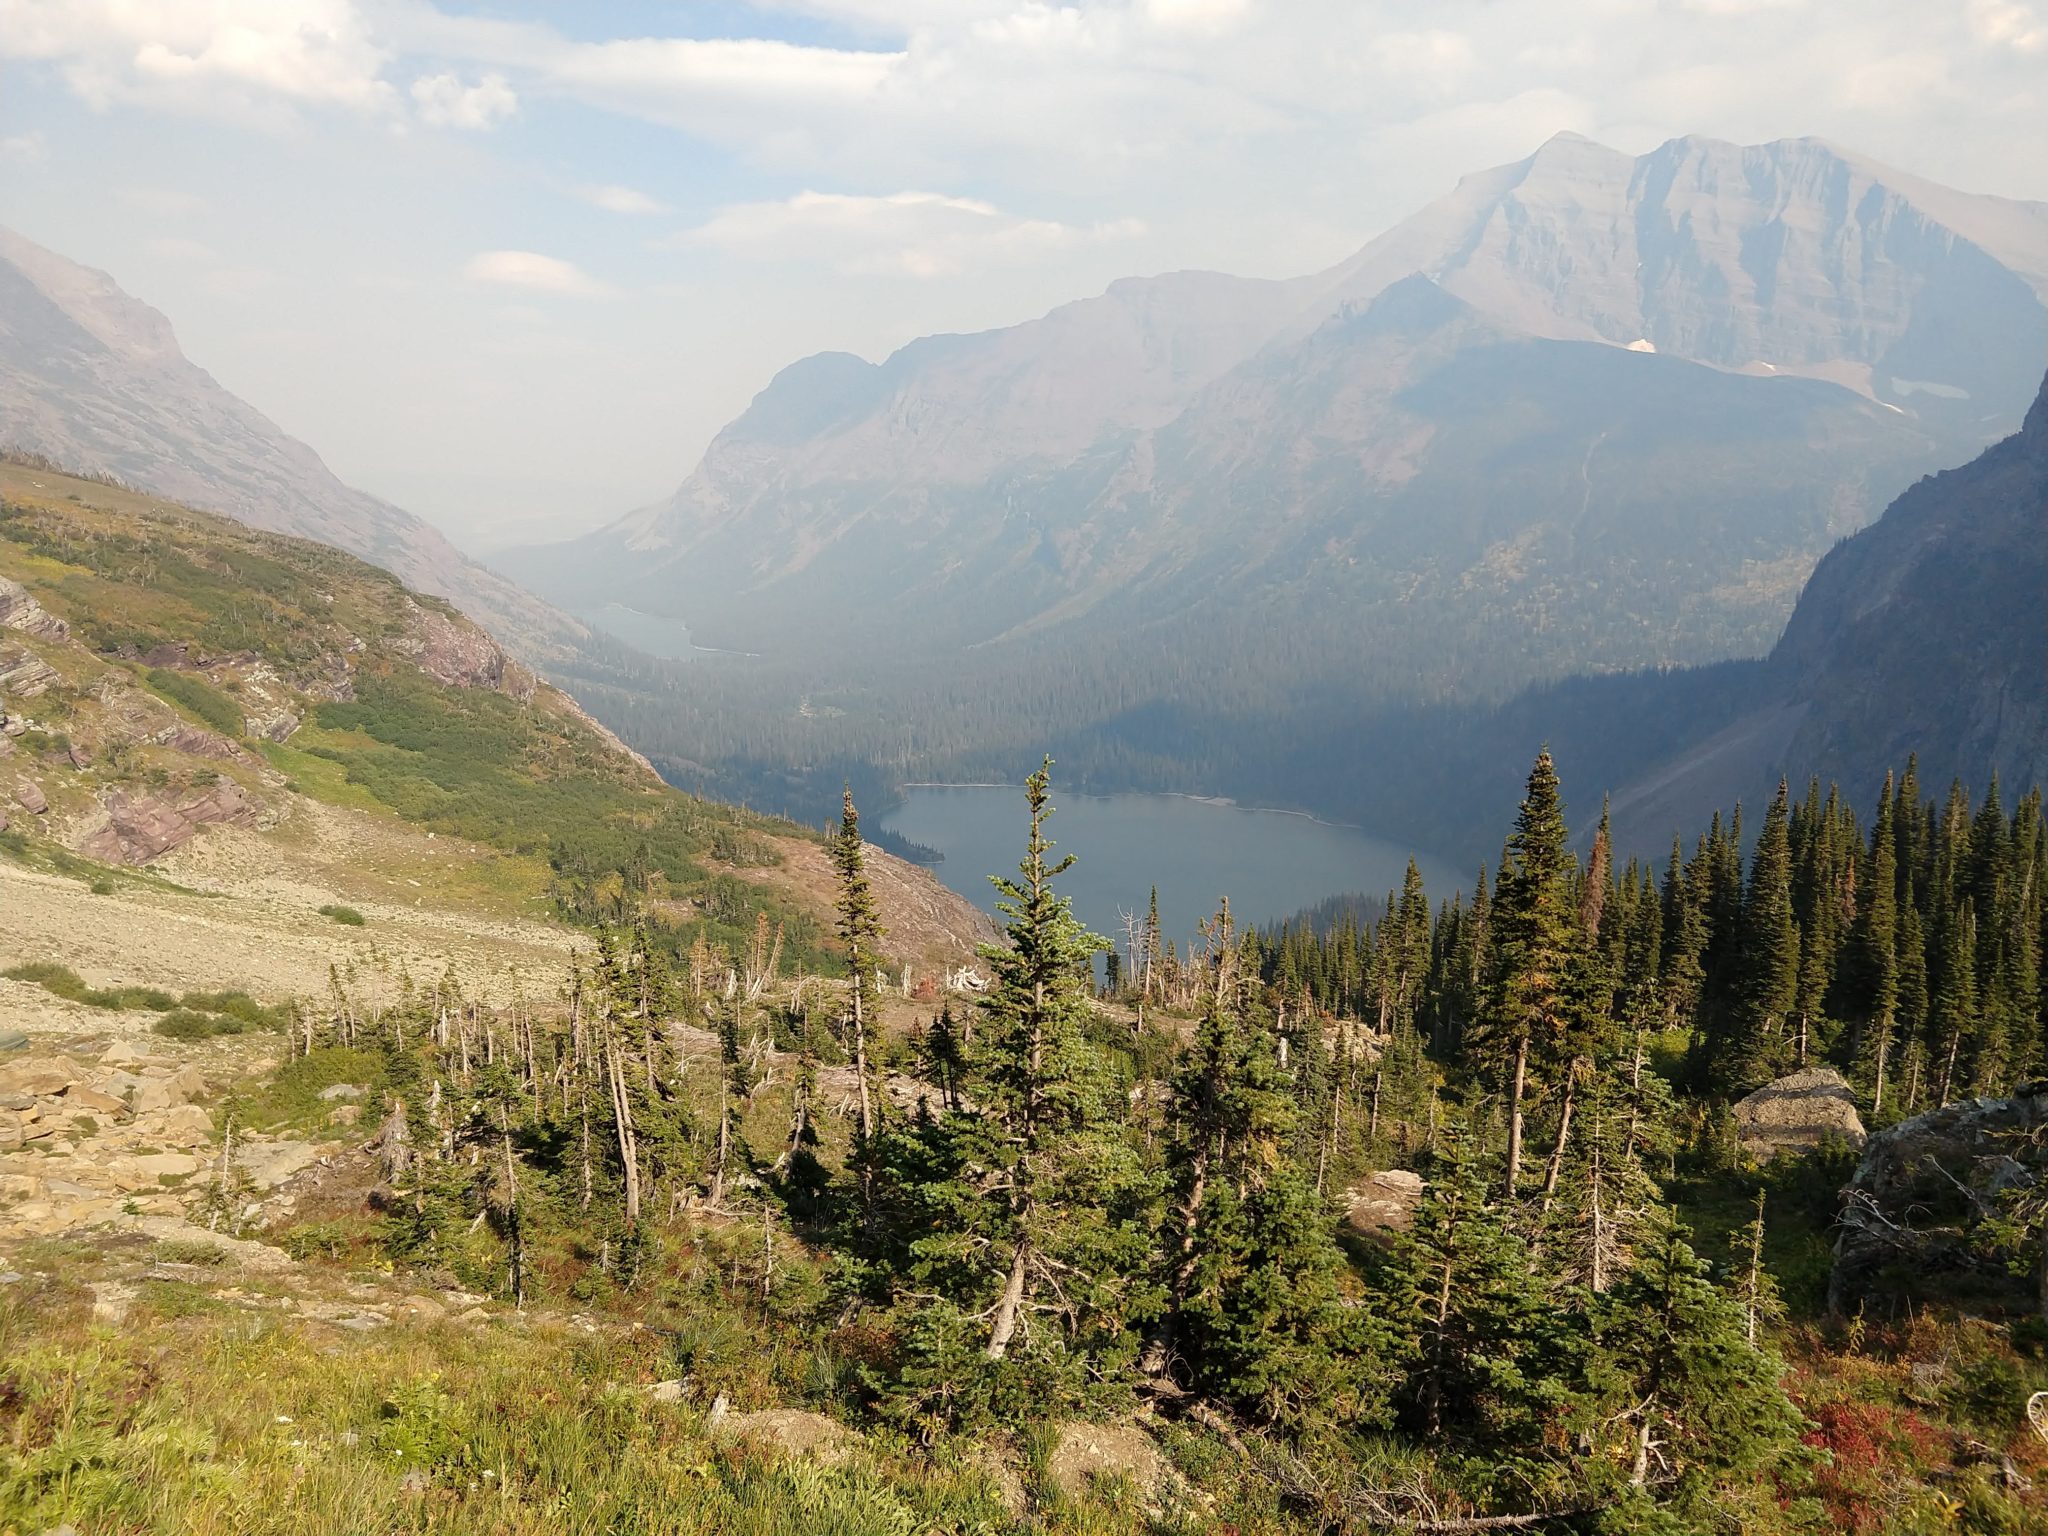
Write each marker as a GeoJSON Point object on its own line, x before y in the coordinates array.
{"type": "Point", "coordinates": [1222, 802]}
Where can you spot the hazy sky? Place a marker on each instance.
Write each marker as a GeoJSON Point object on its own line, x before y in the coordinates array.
{"type": "Point", "coordinates": [512, 265]}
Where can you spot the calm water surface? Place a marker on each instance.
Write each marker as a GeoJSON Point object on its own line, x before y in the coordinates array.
{"type": "Point", "coordinates": [1270, 864]}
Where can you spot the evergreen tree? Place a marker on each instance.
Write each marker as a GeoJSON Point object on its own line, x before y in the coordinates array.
{"type": "Point", "coordinates": [1490, 1361]}
{"type": "Point", "coordinates": [860, 930]}
{"type": "Point", "coordinates": [1534, 940]}
{"type": "Point", "coordinates": [1680, 1395]}
{"type": "Point", "coordinates": [1875, 950]}
{"type": "Point", "coordinates": [1257, 1313]}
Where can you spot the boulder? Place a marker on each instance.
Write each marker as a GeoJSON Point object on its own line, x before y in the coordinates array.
{"type": "Point", "coordinates": [152, 1092]}
{"type": "Point", "coordinates": [246, 1256]}
{"type": "Point", "coordinates": [1383, 1205]}
{"type": "Point", "coordinates": [43, 1076]}
{"type": "Point", "coordinates": [1912, 1209]}
{"type": "Point", "coordinates": [790, 1431]}
{"type": "Point", "coordinates": [268, 1164]}
{"type": "Point", "coordinates": [25, 675]}
{"type": "Point", "coordinates": [29, 796]}
{"type": "Point", "coordinates": [1090, 1453]}
{"type": "Point", "coordinates": [1797, 1113]}
{"type": "Point", "coordinates": [92, 1099]}
{"type": "Point", "coordinates": [182, 1125]}
{"type": "Point", "coordinates": [149, 1170]}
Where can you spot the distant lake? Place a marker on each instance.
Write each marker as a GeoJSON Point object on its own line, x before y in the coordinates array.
{"type": "Point", "coordinates": [668, 639]}
{"type": "Point", "coordinates": [1271, 864]}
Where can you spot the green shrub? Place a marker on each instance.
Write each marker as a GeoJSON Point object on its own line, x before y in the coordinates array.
{"type": "Point", "coordinates": [348, 917]}
{"type": "Point", "coordinates": [62, 981]}
{"type": "Point", "coordinates": [189, 1024]}
{"type": "Point", "coordinates": [102, 887]}
{"type": "Point", "coordinates": [199, 697]}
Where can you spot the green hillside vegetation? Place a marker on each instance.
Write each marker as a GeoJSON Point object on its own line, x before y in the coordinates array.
{"type": "Point", "coordinates": [209, 615]}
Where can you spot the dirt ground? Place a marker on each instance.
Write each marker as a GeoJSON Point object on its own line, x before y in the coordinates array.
{"type": "Point", "coordinates": [256, 924]}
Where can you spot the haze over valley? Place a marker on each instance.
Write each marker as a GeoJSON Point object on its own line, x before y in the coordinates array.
{"type": "Point", "coordinates": [1146, 768]}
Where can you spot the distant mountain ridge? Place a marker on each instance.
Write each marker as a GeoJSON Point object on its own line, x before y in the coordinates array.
{"type": "Point", "coordinates": [93, 379]}
{"type": "Point", "coordinates": [1622, 404]}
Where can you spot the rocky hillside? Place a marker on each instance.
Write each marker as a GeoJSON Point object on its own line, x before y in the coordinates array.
{"type": "Point", "coordinates": [1926, 633]}
{"type": "Point", "coordinates": [245, 712]}
{"type": "Point", "coordinates": [1587, 411]}
{"type": "Point", "coordinates": [93, 379]}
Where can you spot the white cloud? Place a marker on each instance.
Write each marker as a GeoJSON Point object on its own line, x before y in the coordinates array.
{"type": "Point", "coordinates": [1195, 14]}
{"type": "Point", "coordinates": [445, 102]}
{"type": "Point", "coordinates": [615, 199]}
{"type": "Point", "coordinates": [164, 202]}
{"type": "Point", "coordinates": [530, 269]}
{"type": "Point", "coordinates": [214, 56]}
{"type": "Point", "coordinates": [671, 68]}
{"type": "Point", "coordinates": [24, 148]}
{"type": "Point", "coordinates": [910, 234]}
{"type": "Point", "coordinates": [2009, 25]}
{"type": "Point", "coordinates": [180, 249]}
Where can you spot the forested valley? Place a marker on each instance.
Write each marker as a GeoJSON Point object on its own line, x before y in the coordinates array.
{"type": "Point", "coordinates": [950, 1220]}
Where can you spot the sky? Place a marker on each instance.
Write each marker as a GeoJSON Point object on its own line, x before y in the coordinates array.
{"type": "Point", "coordinates": [512, 266]}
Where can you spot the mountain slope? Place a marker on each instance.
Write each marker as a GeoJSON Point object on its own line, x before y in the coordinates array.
{"type": "Point", "coordinates": [93, 379]}
{"type": "Point", "coordinates": [1792, 257]}
{"type": "Point", "coordinates": [1305, 448]}
{"type": "Point", "coordinates": [176, 687]}
{"type": "Point", "coordinates": [1925, 633]}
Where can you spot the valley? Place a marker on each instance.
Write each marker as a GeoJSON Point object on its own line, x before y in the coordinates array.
{"type": "Point", "coordinates": [1408, 898]}
{"type": "Point", "coordinates": [1271, 864]}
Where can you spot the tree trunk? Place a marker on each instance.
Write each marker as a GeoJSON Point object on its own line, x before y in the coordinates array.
{"type": "Point", "coordinates": [860, 1056]}
{"type": "Point", "coordinates": [1515, 1115]}
{"type": "Point", "coordinates": [1555, 1170]}
{"type": "Point", "coordinates": [1011, 1305]}
{"type": "Point", "coordinates": [629, 1152]}
{"type": "Point", "coordinates": [1884, 1052]}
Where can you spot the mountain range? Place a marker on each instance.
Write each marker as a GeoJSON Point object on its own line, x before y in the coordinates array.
{"type": "Point", "coordinates": [93, 379]}
{"type": "Point", "coordinates": [1588, 411]}
{"type": "Point", "coordinates": [1348, 542]}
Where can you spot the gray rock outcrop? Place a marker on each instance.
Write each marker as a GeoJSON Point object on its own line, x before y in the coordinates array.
{"type": "Point", "coordinates": [1797, 1114]}
{"type": "Point", "coordinates": [1923, 1188]}
{"type": "Point", "coordinates": [1382, 1205]}
{"type": "Point", "coordinates": [19, 610]}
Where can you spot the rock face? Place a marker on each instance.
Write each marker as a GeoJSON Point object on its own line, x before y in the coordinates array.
{"type": "Point", "coordinates": [24, 675]}
{"type": "Point", "coordinates": [136, 828]}
{"type": "Point", "coordinates": [1921, 634]}
{"type": "Point", "coordinates": [461, 655]}
{"type": "Point", "coordinates": [1381, 1206]}
{"type": "Point", "coordinates": [1797, 1113]}
{"type": "Point", "coordinates": [18, 610]}
{"type": "Point", "coordinates": [1923, 1187]}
